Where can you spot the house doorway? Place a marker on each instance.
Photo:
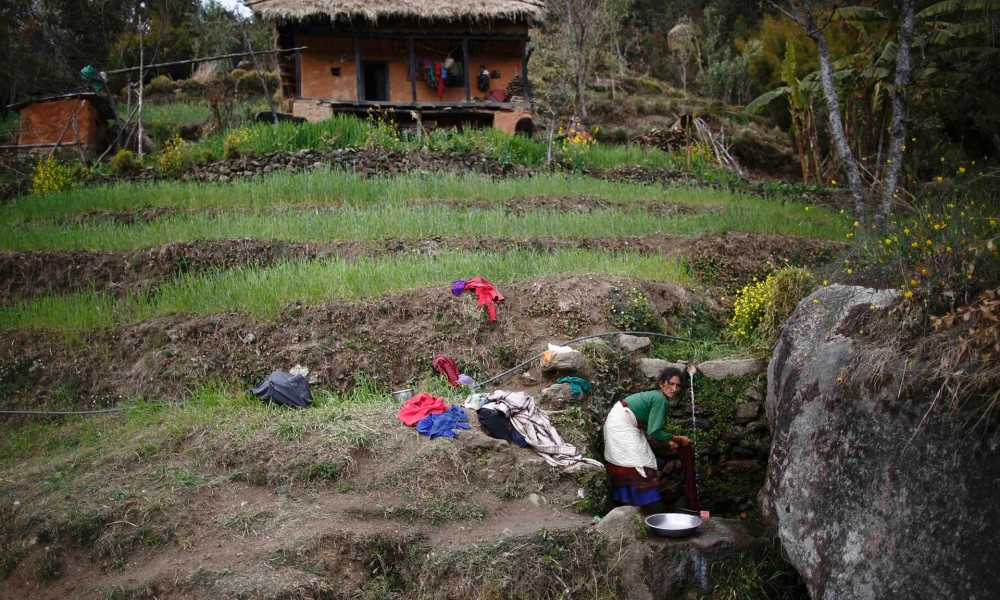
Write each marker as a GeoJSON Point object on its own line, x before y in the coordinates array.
{"type": "Point", "coordinates": [375, 80]}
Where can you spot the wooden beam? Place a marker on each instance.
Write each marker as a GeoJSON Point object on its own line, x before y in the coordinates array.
{"type": "Point", "coordinates": [198, 60]}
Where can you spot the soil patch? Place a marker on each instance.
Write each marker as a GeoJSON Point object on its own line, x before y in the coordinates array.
{"type": "Point", "coordinates": [734, 257]}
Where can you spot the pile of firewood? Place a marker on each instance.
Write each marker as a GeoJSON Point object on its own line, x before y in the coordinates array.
{"type": "Point", "coordinates": [515, 89]}
{"type": "Point", "coordinates": [667, 140]}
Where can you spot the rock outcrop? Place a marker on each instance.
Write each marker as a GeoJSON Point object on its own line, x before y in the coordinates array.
{"type": "Point", "coordinates": [872, 496]}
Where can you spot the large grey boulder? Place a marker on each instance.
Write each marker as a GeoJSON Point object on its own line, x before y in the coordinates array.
{"type": "Point", "coordinates": [652, 367]}
{"type": "Point", "coordinates": [565, 362]}
{"type": "Point", "coordinates": [633, 343]}
{"type": "Point", "coordinates": [721, 368]}
{"type": "Point", "coordinates": [870, 499]}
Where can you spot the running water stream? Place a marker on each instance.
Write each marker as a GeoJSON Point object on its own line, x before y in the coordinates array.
{"type": "Point", "coordinates": [691, 369]}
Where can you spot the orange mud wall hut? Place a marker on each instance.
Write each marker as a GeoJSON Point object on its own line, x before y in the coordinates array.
{"type": "Point", "coordinates": [66, 120]}
{"type": "Point", "coordinates": [453, 62]}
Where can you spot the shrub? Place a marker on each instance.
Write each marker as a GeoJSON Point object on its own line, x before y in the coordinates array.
{"type": "Point", "coordinates": [124, 162]}
{"type": "Point", "coordinates": [51, 175]}
{"type": "Point", "coordinates": [190, 86]}
{"type": "Point", "coordinates": [198, 156]}
{"type": "Point", "coordinates": [238, 142]}
{"type": "Point", "coordinates": [632, 311]}
{"type": "Point", "coordinates": [170, 160]}
{"type": "Point", "coordinates": [939, 255]}
{"type": "Point", "coordinates": [761, 307]}
{"type": "Point", "coordinates": [161, 84]}
{"type": "Point", "coordinates": [383, 135]}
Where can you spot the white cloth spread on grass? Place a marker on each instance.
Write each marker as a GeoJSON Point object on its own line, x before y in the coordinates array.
{"type": "Point", "coordinates": [625, 444]}
{"type": "Point", "coordinates": [533, 423]}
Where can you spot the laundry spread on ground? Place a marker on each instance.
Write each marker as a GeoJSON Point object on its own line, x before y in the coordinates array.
{"type": "Point", "coordinates": [485, 292]}
{"type": "Point", "coordinates": [420, 406]}
{"type": "Point", "coordinates": [534, 424]}
{"type": "Point", "coordinates": [579, 385]}
{"type": "Point", "coordinates": [494, 418]}
{"type": "Point", "coordinates": [443, 424]}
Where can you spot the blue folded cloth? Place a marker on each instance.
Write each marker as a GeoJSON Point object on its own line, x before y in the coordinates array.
{"type": "Point", "coordinates": [442, 424]}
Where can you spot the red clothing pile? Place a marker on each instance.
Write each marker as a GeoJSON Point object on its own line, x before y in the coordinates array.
{"type": "Point", "coordinates": [420, 406]}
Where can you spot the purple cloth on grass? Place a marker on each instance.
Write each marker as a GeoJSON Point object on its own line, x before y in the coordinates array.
{"type": "Point", "coordinates": [457, 287]}
{"type": "Point", "coordinates": [466, 380]}
{"type": "Point", "coordinates": [441, 424]}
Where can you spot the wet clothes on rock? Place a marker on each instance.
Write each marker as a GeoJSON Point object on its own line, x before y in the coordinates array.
{"type": "Point", "coordinates": [579, 385]}
{"type": "Point", "coordinates": [636, 480]}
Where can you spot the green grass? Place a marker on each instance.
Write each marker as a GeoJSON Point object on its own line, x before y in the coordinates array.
{"type": "Point", "coordinates": [222, 421]}
{"type": "Point", "coordinates": [339, 188]}
{"type": "Point", "coordinates": [174, 113]}
{"type": "Point", "coordinates": [262, 292]}
{"type": "Point", "coordinates": [396, 220]}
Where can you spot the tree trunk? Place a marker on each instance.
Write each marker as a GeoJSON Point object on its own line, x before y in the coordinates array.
{"type": "Point", "coordinates": [837, 125]}
{"type": "Point", "coordinates": [900, 109]}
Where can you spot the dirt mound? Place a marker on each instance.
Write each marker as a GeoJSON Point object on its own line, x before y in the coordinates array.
{"type": "Point", "coordinates": [390, 339]}
{"type": "Point", "coordinates": [30, 274]}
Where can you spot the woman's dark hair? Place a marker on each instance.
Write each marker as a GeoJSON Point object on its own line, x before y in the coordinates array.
{"type": "Point", "coordinates": [669, 372]}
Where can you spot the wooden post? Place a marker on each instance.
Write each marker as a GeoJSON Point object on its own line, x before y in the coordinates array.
{"type": "Point", "coordinates": [468, 67]}
{"type": "Point", "coordinates": [524, 71]}
{"type": "Point", "coordinates": [79, 142]}
{"type": "Point", "coordinates": [413, 76]}
{"type": "Point", "coordinates": [359, 78]}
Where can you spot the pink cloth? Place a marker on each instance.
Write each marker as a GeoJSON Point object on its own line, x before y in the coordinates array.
{"type": "Point", "coordinates": [420, 406]}
{"type": "Point", "coordinates": [486, 293]}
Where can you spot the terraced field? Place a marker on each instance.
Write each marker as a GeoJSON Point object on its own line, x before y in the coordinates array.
{"type": "Point", "coordinates": [165, 301]}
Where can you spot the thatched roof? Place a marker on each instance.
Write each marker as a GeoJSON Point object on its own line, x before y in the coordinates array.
{"type": "Point", "coordinates": [373, 10]}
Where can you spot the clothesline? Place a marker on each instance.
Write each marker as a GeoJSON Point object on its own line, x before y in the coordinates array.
{"type": "Point", "coordinates": [429, 49]}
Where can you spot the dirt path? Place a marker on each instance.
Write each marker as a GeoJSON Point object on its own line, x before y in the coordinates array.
{"type": "Point", "coordinates": [301, 531]}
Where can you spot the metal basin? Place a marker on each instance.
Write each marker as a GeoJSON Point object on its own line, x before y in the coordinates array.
{"type": "Point", "coordinates": [402, 396]}
{"type": "Point", "coordinates": [673, 525]}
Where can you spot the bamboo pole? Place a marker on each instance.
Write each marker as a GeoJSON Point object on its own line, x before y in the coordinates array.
{"type": "Point", "coordinates": [204, 59]}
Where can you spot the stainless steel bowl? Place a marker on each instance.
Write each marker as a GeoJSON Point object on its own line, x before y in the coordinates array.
{"type": "Point", "coordinates": [402, 396]}
{"type": "Point", "coordinates": [673, 524]}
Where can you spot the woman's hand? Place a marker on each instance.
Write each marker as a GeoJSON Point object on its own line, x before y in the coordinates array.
{"type": "Point", "coordinates": [683, 440]}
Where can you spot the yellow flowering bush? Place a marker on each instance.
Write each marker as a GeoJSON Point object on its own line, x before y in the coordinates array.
{"type": "Point", "coordinates": [170, 160]}
{"type": "Point", "coordinates": [51, 175]}
{"type": "Point", "coordinates": [238, 142]}
{"type": "Point", "coordinates": [383, 133]}
{"type": "Point", "coordinates": [576, 142]}
{"type": "Point", "coordinates": [762, 306]}
{"type": "Point", "coordinates": [938, 253]}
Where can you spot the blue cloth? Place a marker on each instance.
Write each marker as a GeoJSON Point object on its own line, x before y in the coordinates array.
{"type": "Point", "coordinates": [627, 494]}
{"type": "Point", "coordinates": [441, 424]}
{"type": "Point", "coordinates": [579, 384]}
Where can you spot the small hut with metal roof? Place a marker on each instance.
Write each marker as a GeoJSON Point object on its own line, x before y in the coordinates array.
{"type": "Point", "coordinates": [445, 61]}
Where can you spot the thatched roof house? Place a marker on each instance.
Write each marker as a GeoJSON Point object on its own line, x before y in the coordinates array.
{"type": "Point", "coordinates": [381, 10]}
{"type": "Point", "coordinates": [449, 61]}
